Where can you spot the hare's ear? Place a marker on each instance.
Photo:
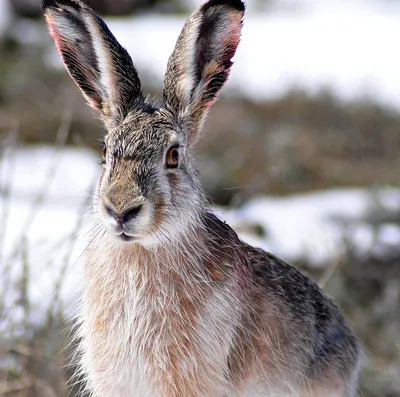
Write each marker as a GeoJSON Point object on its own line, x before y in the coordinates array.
{"type": "Point", "coordinates": [201, 61]}
{"type": "Point", "coordinates": [99, 65]}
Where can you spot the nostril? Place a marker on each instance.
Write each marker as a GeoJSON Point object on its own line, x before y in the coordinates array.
{"type": "Point", "coordinates": [131, 213]}
{"type": "Point", "coordinates": [113, 214]}
{"type": "Point", "coordinates": [125, 216]}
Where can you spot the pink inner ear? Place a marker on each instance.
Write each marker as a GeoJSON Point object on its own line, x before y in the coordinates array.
{"type": "Point", "coordinates": [66, 46]}
{"type": "Point", "coordinates": [229, 41]}
{"type": "Point", "coordinates": [61, 42]}
{"type": "Point", "coordinates": [231, 35]}
{"type": "Point", "coordinates": [53, 30]}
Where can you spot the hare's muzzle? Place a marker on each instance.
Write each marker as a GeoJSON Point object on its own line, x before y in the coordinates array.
{"type": "Point", "coordinates": [124, 222]}
{"type": "Point", "coordinates": [125, 216]}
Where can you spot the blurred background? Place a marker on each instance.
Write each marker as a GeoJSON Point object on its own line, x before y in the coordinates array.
{"type": "Point", "coordinates": [300, 155]}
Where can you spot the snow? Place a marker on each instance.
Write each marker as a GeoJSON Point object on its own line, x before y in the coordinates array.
{"type": "Point", "coordinates": [39, 238]}
{"type": "Point", "coordinates": [311, 225]}
{"type": "Point", "coordinates": [5, 15]}
{"type": "Point", "coordinates": [349, 47]}
{"type": "Point", "coordinates": [49, 193]}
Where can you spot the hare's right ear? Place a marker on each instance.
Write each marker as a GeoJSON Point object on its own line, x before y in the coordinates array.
{"type": "Point", "coordinates": [201, 61]}
{"type": "Point", "coordinates": [98, 64]}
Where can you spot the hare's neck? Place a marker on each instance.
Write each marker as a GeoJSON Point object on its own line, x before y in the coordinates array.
{"type": "Point", "coordinates": [179, 261]}
{"type": "Point", "coordinates": [191, 260]}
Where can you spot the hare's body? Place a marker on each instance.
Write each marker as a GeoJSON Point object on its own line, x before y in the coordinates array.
{"type": "Point", "coordinates": [175, 304]}
{"type": "Point", "coordinates": [225, 320]}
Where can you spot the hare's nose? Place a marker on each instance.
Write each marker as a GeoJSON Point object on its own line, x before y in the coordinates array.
{"type": "Point", "coordinates": [126, 216]}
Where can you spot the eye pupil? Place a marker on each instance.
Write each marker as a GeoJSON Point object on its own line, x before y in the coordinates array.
{"type": "Point", "coordinates": [173, 158]}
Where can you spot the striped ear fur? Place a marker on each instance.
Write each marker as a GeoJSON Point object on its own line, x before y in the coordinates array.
{"type": "Point", "coordinates": [201, 61]}
{"type": "Point", "coordinates": [98, 64]}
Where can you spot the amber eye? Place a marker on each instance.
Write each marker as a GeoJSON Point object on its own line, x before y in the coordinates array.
{"type": "Point", "coordinates": [173, 157]}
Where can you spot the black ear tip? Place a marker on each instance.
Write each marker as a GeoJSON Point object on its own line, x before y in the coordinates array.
{"type": "Point", "coordinates": [238, 5]}
{"type": "Point", "coordinates": [46, 4]}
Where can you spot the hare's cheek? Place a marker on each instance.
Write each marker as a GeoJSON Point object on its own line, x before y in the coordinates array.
{"type": "Point", "coordinates": [159, 213]}
{"type": "Point", "coordinates": [102, 180]}
{"type": "Point", "coordinates": [173, 180]}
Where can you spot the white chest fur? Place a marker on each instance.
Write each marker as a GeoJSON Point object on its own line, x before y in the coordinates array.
{"type": "Point", "coordinates": [148, 330]}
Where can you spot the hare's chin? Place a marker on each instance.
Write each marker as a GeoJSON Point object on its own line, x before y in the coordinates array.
{"type": "Point", "coordinates": [119, 235]}
{"type": "Point", "coordinates": [126, 238]}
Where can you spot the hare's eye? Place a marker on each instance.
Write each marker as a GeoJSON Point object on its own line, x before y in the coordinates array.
{"type": "Point", "coordinates": [173, 157]}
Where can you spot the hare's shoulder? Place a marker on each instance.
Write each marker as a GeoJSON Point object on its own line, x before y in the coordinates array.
{"type": "Point", "coordinates": [298, 294]}
{"type": "Point", "coordinates": [265, 269]}
{"type": "Point", "coordinates": [295, 287]}
{"type": "Point", "coordinates": [273, 281]}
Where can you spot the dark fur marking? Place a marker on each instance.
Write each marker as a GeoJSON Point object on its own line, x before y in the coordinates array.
{"type": "Point", "coordinates": [57, 3]}
{"type": "Point", "coordinates": [236, 4]}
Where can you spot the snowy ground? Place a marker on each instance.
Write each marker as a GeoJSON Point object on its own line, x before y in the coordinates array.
{"type": "Point", "coordinates": [5, 15]}
{"type": "Point", "coordinates": [44, 199]}
{"type": "Point", "coordinates": [44, 195]}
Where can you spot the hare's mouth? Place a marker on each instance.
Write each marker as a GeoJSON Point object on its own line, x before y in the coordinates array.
{"type": "Point", "coordinates": [125, 237]}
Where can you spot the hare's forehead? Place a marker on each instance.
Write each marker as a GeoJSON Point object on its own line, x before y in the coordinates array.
{"type": "Point", "coordinates": [141, 141]}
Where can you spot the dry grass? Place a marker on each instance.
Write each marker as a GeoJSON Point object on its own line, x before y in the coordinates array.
{"type": "Point", "coordinates": [35, 359]}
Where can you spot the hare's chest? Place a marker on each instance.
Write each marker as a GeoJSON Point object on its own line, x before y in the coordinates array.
{"type": "Point", "coordinates": [144, 341]}
{"type": "Point", "coordinates": [150, 331]}
{"type": "Point", "coordinates": [117, 353]}
{"type": "Point", "coordinates": [140, 339]}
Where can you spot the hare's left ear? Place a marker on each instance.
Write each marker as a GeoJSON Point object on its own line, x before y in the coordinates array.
{"type": "Point", "coordinates": [98, 64]}
{"type": "Point", "coordinates": [201, 61]}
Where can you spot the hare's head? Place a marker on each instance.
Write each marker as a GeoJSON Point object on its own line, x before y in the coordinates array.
{"type": "Point", "coordinates": [148, 191]}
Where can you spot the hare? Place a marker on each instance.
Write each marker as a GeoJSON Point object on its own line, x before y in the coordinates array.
{"type": "Point", "coordinates": [175, 305]}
